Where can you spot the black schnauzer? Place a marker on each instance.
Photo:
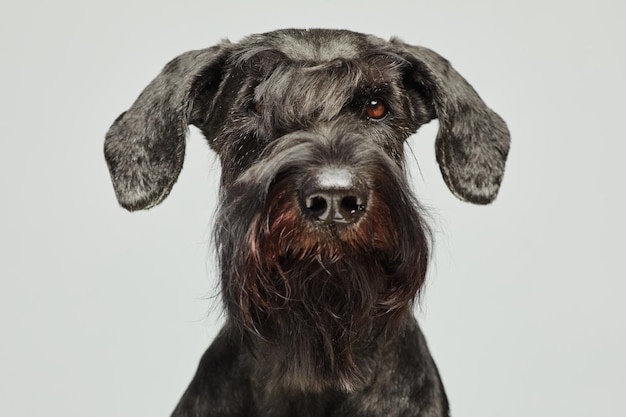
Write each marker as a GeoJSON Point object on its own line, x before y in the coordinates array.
{"type": "Point", "coordinates": [321, 243]}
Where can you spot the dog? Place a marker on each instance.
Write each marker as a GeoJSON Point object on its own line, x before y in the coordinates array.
{"type": "Point", "coordinates": [322, 245]}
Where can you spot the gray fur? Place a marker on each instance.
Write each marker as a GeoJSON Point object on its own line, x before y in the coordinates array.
{"type": "Point", "coordinates": [145, 146]}
{"type": "Point", "coordinates": [473, 141]}
{"type": "Point", "coordinates": [319, 313]}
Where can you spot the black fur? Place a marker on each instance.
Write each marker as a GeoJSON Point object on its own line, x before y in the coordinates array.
{"type": "Point", "coordinates": [319, 307]}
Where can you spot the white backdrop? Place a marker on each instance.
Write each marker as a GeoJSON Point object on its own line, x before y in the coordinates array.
{"type": "Point", "coordinates": [106, 313]}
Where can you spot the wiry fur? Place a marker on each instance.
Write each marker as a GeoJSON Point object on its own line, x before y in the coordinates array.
{"type": "Point", "coordinates": [319, 295]}
{"type": "Point", "coordinates": [319, 314]}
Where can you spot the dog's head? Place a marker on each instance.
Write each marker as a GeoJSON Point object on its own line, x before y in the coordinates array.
{"type": "Point", "coordinates": [321, 241]}
{"type": "Point", "coordinates": [229, 86]}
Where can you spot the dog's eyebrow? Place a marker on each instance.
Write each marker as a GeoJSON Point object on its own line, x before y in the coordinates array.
{"type": "Point", "coordinates": [374, 89]}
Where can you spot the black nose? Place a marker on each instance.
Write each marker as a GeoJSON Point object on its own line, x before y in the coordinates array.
{"type": "Point", "coordinates": [334, 195]}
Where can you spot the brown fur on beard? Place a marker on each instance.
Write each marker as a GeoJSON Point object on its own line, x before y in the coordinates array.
{"type": "Point", "coordinates": [314, 299]}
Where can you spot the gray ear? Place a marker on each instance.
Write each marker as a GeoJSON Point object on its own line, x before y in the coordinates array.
{"type": "Point", "coordinates": [473, 141]}
{"type": "Point", "coordinates": [145, 146]}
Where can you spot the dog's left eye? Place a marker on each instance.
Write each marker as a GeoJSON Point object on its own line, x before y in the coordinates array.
{"type": "Point", "coordinates": [257, 108]}
{"type": "Point", "coordinates": [375, 109]}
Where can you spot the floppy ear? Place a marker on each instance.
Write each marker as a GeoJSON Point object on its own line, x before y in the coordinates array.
{"type": "Point", "coordinates": [145, 146]}
{"type": "Point", "coordinates": [473, 141]}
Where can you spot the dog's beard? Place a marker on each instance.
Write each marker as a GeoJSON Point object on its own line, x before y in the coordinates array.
{"type": "Point", "coordinates": [321, 320]}
{"type": "Point", "coordinates": [314, 301]}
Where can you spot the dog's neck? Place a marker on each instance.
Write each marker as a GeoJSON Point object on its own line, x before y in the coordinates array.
{"type": "Point", "coordinates": [299, 362]}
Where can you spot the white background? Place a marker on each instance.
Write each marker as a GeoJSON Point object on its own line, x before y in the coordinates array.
{"type": "Point", "coordinates": [106, 313]}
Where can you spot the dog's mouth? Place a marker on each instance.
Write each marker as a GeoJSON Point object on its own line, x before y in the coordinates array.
{"type": "Point", "coordinates": [327, 257]}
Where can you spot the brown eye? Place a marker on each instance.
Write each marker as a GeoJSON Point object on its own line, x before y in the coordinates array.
{"type": "Point", "coordinates": [257, 108]}
{"type": "Point", "coordinates": [375, 109]}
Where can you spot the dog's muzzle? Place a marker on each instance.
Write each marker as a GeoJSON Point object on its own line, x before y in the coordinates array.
{"type": "Point", "coordinates": [334, 195]}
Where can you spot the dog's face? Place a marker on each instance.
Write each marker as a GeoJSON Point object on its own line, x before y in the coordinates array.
{"type": "Point", "coordinates": [322, 245]}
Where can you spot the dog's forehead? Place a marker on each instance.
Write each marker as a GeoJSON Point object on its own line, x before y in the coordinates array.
{"type": "Point", "coordinates": [321, 45]}
{"type": "Point", "coordinates": [313, 45]}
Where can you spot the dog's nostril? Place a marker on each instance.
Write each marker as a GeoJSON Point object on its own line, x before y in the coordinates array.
{"type": "Point", "coordinates": [316, 205]}
{"type": "Point", "coordinates": [350, 204]}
